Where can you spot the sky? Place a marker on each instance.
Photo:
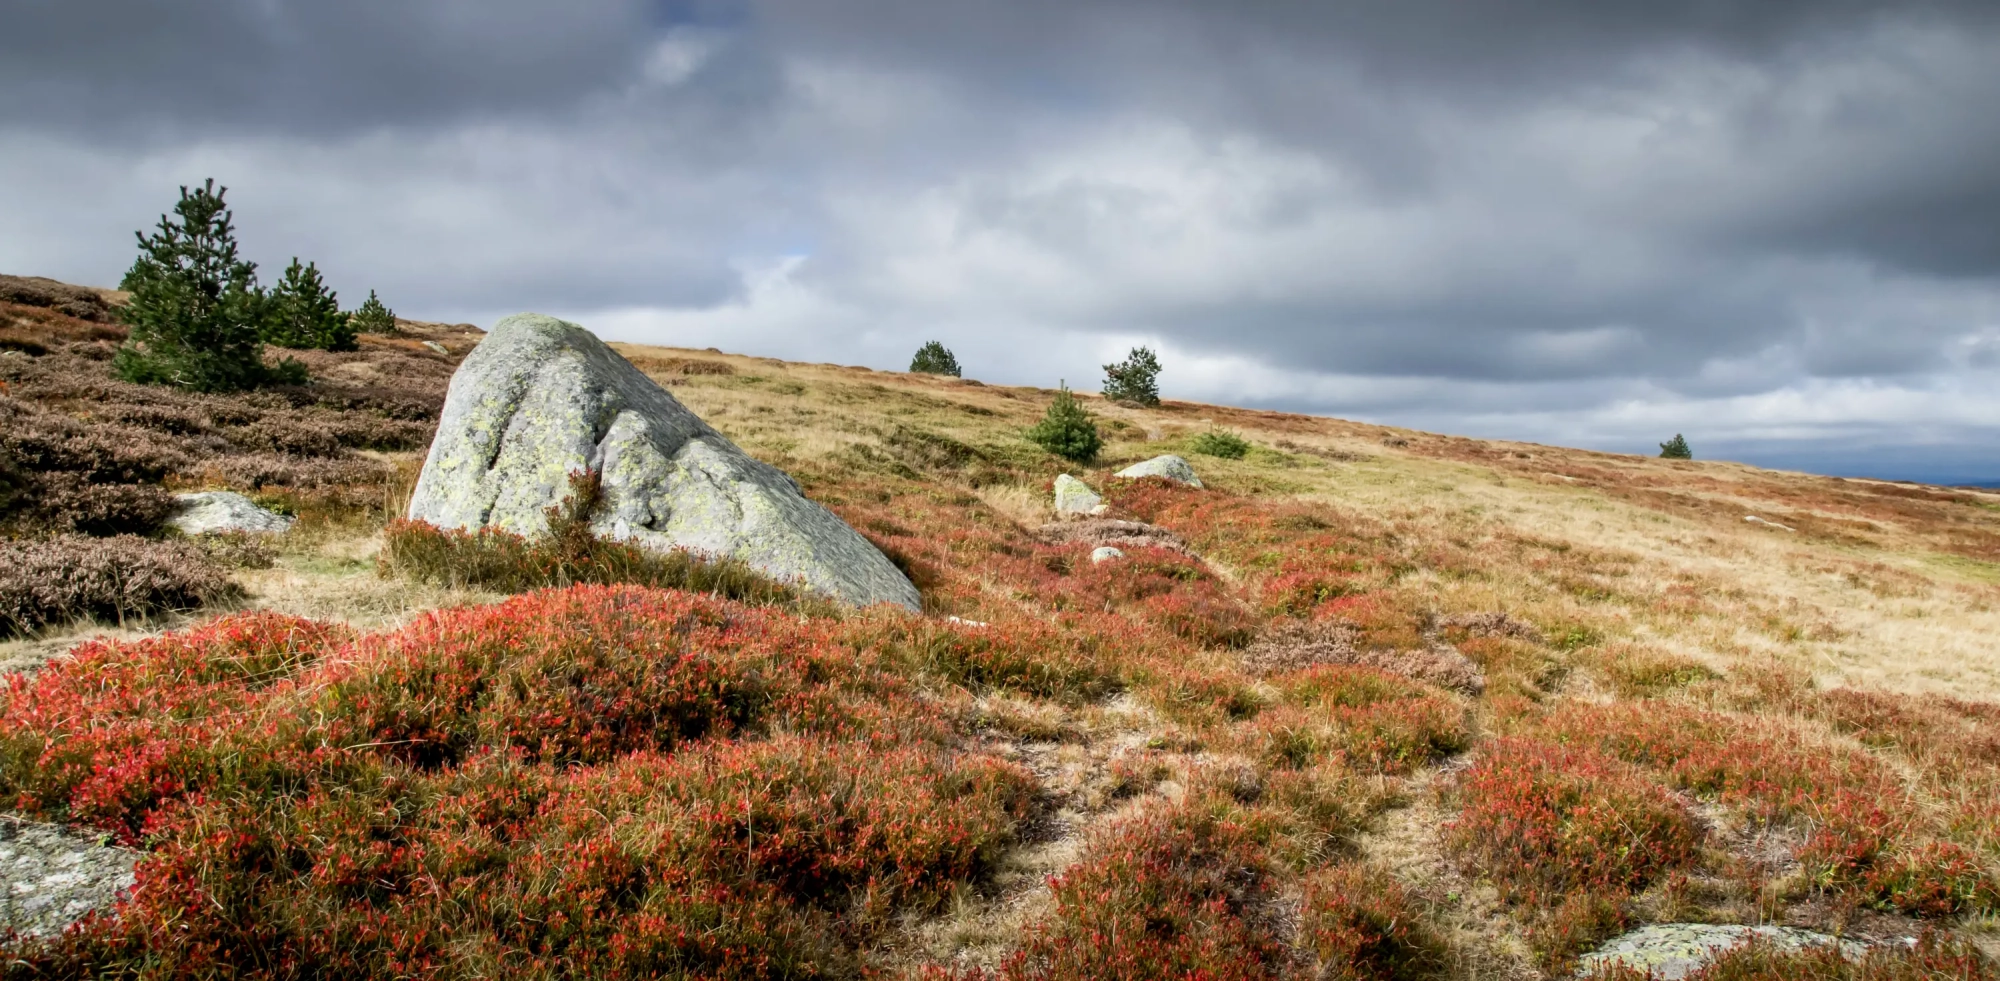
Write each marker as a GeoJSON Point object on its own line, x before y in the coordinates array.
{"type": "Point", "coordinates": [1771, 225]}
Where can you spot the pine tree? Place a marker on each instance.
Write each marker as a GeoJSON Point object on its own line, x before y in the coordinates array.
{"type": "Point", "coordinates": [1676, 449]}
{"type": "Point", "coordinates": [303, 313]}
{"type": "Point", "coordinates": [1135, 379]}
{"type": "Point", "coordinates": [196, 310]}
{"type": "Point", "coordinates": [1066, 430]}
{"type": "Point", "coordinates": [934, 359]}
{"type": "Point", "coordinates": [372, 317]}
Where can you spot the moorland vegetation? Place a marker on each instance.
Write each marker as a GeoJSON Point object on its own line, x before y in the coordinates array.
{"type": "Point", "coordinates": [1373, 704]}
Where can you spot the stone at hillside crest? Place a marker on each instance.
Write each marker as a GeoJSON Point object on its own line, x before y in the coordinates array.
{"type": "Point", "coordinates": [541, 398]}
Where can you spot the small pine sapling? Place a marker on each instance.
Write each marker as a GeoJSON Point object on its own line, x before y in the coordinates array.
{"type": "Point", "coordinates": [1066, 430]}
{"type": "Point", "coordinates": [1135, 379]}
{"type": "Point", "coordinates": [1220, 442]}
{"type": "Point", "coordinates": [372, 317]}
{"type": "Point", "coordinates": [1676, 449]}
{"type": "Point", "coordinates": [303, 313]}
{"type": "Point", "coordinates": [934, 359]}
{"type": "Point", "coordinates": [195, 311]}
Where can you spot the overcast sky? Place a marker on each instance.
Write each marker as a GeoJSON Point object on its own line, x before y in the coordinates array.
{"type": "Point", "coordinates": [1773, 225]}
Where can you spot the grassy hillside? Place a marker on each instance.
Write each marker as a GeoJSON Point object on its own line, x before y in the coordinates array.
{"type": "Point", "coordinates": [1377, 703]}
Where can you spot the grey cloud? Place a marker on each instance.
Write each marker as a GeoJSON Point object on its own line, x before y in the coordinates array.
{"type": "Point", "coordinates": [1439, 210]}
{"type": "Point", "coordinates": [107, 67]}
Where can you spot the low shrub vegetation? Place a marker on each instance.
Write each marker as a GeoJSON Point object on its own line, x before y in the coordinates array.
{"type": "Point", "coordinates": [55, 581]}
{"type": "Point", "coordinates": [1220, 443]}
{"type": "Point", "coordinates": [570, 553]}
{"type": "Point", "coordinates": [610, 781]}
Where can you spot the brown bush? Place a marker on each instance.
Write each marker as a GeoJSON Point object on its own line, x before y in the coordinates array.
{"type": "Point", "coordinates": [290, 434]}
{"type": "Point", "coordinates": [39, 441]}
{"type": "Point", "coordinates": [1107, 531]}
{"type": "Point", "coordinates": [80, 447]}
{"type": "Point", "coordinates": [259, 470]}
{"type": "Point", "coordinates": [1292, 645]}
{"type": "Point", "coordinates": [66, 501]}
{"type": "Point", "coordinates": [53, 581]}
{"type": "Point", "coordinates": [78, 302]}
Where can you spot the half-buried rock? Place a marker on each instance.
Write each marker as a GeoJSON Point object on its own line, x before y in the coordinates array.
{"type": "Point", "coordinates": [541, 398]}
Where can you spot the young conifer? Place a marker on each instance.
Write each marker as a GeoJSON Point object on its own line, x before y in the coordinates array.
{"type": "Point", "coordinates": [372, 317]}
{"type": "Point", "coordinates": [934, 359]}
{"type": "Point", "coordinates": [1135, 379]}
{"type": "Point", "coordinates": [1066, 430]}
{"type": "Point", "coordinates": [195, 311]}
{"type": "Point", "coordinates": [303, 313]}
{"type": "Point", "coordinates": [1676, 449]}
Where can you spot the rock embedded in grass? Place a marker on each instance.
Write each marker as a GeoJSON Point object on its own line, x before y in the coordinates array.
{"type": "Point", "coordinates": [1172, 467]}
{"type": "Point", "coordinates": [542, 398]}
{"type": "Point", "coordinates": [1104, 553]}
{"type": "Point", "coordinates": [1669, 951]}
{"type": "Point", "coordinates": [1073, 496]}
{"type": "Point", "coordinates": [208, 512]}
{"type": "Point", "coordinates": [51, 876]}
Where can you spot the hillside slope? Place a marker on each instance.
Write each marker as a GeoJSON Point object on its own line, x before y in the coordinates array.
{"type": "Point", "coordinates": [1397, 703]}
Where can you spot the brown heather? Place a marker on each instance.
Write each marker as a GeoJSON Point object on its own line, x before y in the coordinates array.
{"type": "Point", "coordinates": [53, 581]}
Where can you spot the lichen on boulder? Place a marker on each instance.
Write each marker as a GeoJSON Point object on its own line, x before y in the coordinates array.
{"type": "Point", "coordinates": [1172, 467]}
{"type": "Point", "coordinates": [1073, 496]}
{"type": "Point", "coordinates": [210, 512]}
{"type": "Point", "coordinates": [541, 398]}
{"type": "Point", "coordinates": [51, 876]}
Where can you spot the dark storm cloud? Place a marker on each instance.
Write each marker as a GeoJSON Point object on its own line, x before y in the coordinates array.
{"type": "Point", "coordinates": [108, 66]}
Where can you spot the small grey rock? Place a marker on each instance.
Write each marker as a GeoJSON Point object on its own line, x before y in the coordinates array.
{"type": "Point", "coordinates": [1172, 467]}
{"type": "Point", "coordinates": [1675, 950]}
{"type": "Point", "coordinates": [541, 398]}
{"type": "Point", "coordinates": [1104, 553]}
{"type": "Point", "coordinates": [439, 348]}
{"type": "Point", "coordinates": [50, 876]}
{"type": "Point", "coordinates": [216, 511]}
{"type": "Point", "coordinates": [1073, 496]}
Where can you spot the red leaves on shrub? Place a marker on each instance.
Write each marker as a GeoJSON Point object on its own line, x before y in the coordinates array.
{"type": "Point", "coordinates": [1170, 893]}
{"type": "Point", "coordinates": [1359, 924]}
{"type": "Point", "coordinates": [594, 781]}
{"type": "Point", "coordinates": [1369, 719]}
{"type": "Point", "coordinates": [1545, 819]}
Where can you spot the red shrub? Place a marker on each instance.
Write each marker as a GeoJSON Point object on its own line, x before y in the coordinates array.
{"type": "Point", "coordinates": [1545, 819]}
{"type": "Point", "coordinates": [1864, 831]}
{"type": "Point", "coordinates": [1171, 893]}
{"type": "Point", "coordinates": [1359, 924]}
{"type": "Point", "coordinates": [109, 734]}
{"type": "Point", "coordinates": [1369, 719]}
{"type": "Point", "coordinates": [596, 781]}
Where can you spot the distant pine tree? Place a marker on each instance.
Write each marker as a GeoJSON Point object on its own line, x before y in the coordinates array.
{"type": "Point", "coordinates": [1135, 379]}
{"type": "Point", "coordinates": [372, 317]}
{"type": "Point", "coordinates": [934, 359]}
{"type": "Point", "coordinates": [1676, 449]}
{"type": "Point", "coordinates": [1066, 430]}
{"type": "Point", "coordinates": [303, 313]}
{"type": "Point", "coordinates": [196, 311]}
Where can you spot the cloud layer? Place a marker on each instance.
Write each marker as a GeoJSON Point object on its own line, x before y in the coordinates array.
{"type": "Point", "coordinates": [1774, 226]}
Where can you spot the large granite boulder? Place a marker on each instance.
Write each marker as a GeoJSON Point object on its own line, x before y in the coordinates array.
{"type": "Point", "coordinates": [1172, 467]}
{"type": "Point", "coordinates": [540, 398]}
